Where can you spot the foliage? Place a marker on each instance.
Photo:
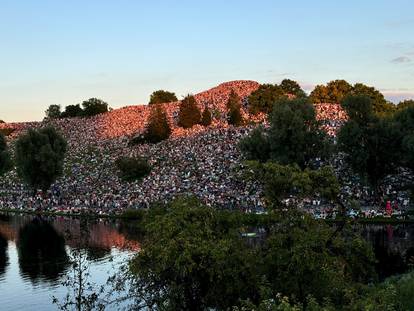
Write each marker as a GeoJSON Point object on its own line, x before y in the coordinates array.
{"type": "Point", "coordinates": [72, 111]}
{"type": "Point", "coordinates": [5, 158]}
{"type": "Point", "coordinates": [264, 98]}
{"type": "Point", "coordinates": [161, 97]}
{"type": "Point", "coordinates": [131, 169]}
{"type": "Point", "coordinates": [405, 104]}
{"type": "Point", "coordinates": [333, 92]}
{"type": "Point", "coordinates": [206, 117]}
{"type": "Point", "coordinates": [380, 106]}
{"type": "Point", "coordinates": [193, 258]}
{"type": "Point", "coordinates": [371, 144]}
{"type": "Point", "coordinates": [281, 181]}
{"type": "Point", "coordinates": [256, 145]}
{"type": "Point", "coordinates": [53, 112]}
{"type": "Point", "coordinates": [233, 106]}
{"type": "Point", "coordinates": [189, 113]}
{"type": "Point", "coordinates": [292, 87]}
{"type": "Point", "coordinates": [158, 127]}
{"type": "Point", "coordinates": [39, 157]}
{"type": "Point", "coordinates": [94, 106]}
{"type": "Point", "coordinates": [186, 263]}
{"type": "Point", "coordinates": [7, 131]}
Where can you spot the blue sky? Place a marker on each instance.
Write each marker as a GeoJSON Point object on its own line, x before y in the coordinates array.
{"type": "Point", "coordinates": [62, 52]}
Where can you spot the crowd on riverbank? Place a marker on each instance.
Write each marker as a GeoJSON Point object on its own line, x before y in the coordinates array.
{"type": "Point", "coordinates": [202, 161]}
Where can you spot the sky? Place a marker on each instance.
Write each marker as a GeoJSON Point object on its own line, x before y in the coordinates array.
{"type": "Point", "coordinates": [64, 52]}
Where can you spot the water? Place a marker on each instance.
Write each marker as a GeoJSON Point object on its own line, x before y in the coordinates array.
{"type": "Point", "coordinates": [35, 253]}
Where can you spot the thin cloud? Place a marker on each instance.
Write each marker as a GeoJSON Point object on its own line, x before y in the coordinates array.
{"type": "Point", "coordinates": [401, 60]}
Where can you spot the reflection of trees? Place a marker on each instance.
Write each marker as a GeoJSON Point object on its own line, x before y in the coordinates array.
{"type": "Point", "coordinates": [41, 250]}
{"type": "Point", "coordinates": [3, 254]}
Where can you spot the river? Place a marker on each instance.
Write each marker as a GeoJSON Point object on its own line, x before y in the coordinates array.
{"type": "Point", "coordinates": [35, 254]}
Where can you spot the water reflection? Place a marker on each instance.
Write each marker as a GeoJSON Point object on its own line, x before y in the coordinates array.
{"type": "Point", "coordinates": [4, 260]}
{"type": "Point", "coordinates": [41, 249]}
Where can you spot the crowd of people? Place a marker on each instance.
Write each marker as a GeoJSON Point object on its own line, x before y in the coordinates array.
{"type": "Point", "coordinates": [201, 161]}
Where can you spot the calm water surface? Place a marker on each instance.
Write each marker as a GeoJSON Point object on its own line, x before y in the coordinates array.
{"type": "Point", "coordinates": [35, 253]}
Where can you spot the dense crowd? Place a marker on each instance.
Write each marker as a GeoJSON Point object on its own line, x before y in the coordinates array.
{"type": "Point", "coordinates": [201, 161]}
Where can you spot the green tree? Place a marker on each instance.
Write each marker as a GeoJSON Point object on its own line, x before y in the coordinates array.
{"type": "Point", "coordinates": [94, 106]}
{"type": "Point", "coordinates": [256, 145]}
{"type": "Point", "coordinates": [371, 144]}
{"type": "Point", "coordinates": [131, 169]}
{"type": "Point", "coordinates": [333, 92]}
{"type": "Point", "coordinates": [161, 97]}
{"type": "Point", "coordinates": [39, 157]}
{"type": "Point", "coordinates": [295, 135]}
{"type": "Point", "coordinates": [206, 117]}
{"type": "Point", "coordinates": [189, 113]}
{"type": "Point", "coordinates": [5, 158]}
{"type": "Point", "coordinates": [281, 181]}
{"type": "Point", "coordinates": [380, 106]}
{"type": "Point", "coordinates": [158, 127]}
{"type": "Point", "coordinates": [53, 112]}
{"type": "Point", "coordinates": [189, 262]}
{"type": "Point", "coordinates": [72, 111]}
{"type": "Point", "coordinates": [233, 106]}
{"type": "Point", "coordinates": [405, 104]}
{"type": "Point", "coordinates": [264, 98]}
{"type": "Point", "coordinates": [292, 87]}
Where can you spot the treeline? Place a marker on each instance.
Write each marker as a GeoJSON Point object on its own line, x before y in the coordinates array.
{"type": "Point", "coordinates": [88, 108]}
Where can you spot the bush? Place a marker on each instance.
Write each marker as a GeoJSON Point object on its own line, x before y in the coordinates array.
{"type": "Point", "coordinates": [94, 106]}
{"type": "Point", "coordinates": [158, 127]}
{"type": "Point", "coordinates": [39, 157]}
{"type": "Point", "coordinates": [161, 97]}
{"type": "Point", "coordinates": [72, 111]}
{"type": "Point", "coordinates": [263, 99]}
{"type": "Point", "coordinates": [131, 169]}
{"type": "Point", "coordinates": [189, 113]}
{"type": "Point", "coordinates": [206, 117]}
{"type": "Point", "coordinates": [5, 159]}
{"type": "Point", "coordinates": [7, 131]}
{"type": "Point", "coordinates": [234, 116]}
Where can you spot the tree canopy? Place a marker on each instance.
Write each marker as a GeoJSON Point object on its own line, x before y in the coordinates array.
{"type": "Point", "coordinates": [5, 158]}
{"type": "Point", "coordinates": [53, 112]}
{"type": "Point", "coordinates": [292, 87]}
{"type": "Point", "coordinates": [206, 117]}
{"type": "Point", "coordinates": [189, 114]}
{"type": "Point", "coordinates": [94, 106]}
{"type": "Point", "coordinates": [264, 98]}
{"type": "Point", "coordinates": [234, 116]}
{"type": "Point", "coordinates": [39, 157]}
{"type": "Point", "coordinates": [72, 111]}
{"type": "Point", "coordinates": [161, 97]}
{"type": "Point", "coordinates": [158, 128]}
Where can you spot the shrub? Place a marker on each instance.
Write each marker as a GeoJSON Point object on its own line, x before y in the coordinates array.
{"type": "Point", "coordinates": [189, 113]}
{"type": "Point", "coordinates": [131, 169]}
{"type": "Point", "coordinates": [206, 117]}
{"type": "Point", "coordinates": [158, 127]}
{"type": "Point", "coordinates": [161, 96]}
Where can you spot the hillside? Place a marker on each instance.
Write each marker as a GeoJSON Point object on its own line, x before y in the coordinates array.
{"type": "Point", "coordinates": [202, 161]}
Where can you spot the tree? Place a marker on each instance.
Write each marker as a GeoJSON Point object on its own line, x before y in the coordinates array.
{"type": "Point", "coordinates": [292, 87]}
{"type": "Point", "coordinates": [405, 104]}
{"type": "Point", "coordinates": [189, 262]}
{"type": "Point", "coordinates": [131, 169]}
{"type": "Point", "coordinates": [189, 113]}
{"type": "Point", "coordinates": [333, 92]}
{"type": "Point", "coordinates": [94, 106]}
{"type": "Point", "coordinates": [256, 145]}
{"type": "Point", "coordinates": [281, 181]}
{"type": "Point", "coordinates": [39, 157]}
{"type": "Point", "coordinates": [53, 112]}
{"type": "Point", "coordinates": [380, 106]}
{"type": "Point", "coordinates": [233, 106]}
{"type": "Point", "coordinates": [206, 117]}
{"type": "Point", "coordinates": [72, 111]}
{"type": "Point", "coordinates": [295, 135]}
{"type": "Point", "coordinates": [5, 159]}
{"type": "Point", "coordinates": [161, 97]}
{"type": "Point", "coordinates": [371, 144]}
{"type": "Point", "coordinates": [264, 98]}
{"type": "Point", "coordinates": [158, 127]}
